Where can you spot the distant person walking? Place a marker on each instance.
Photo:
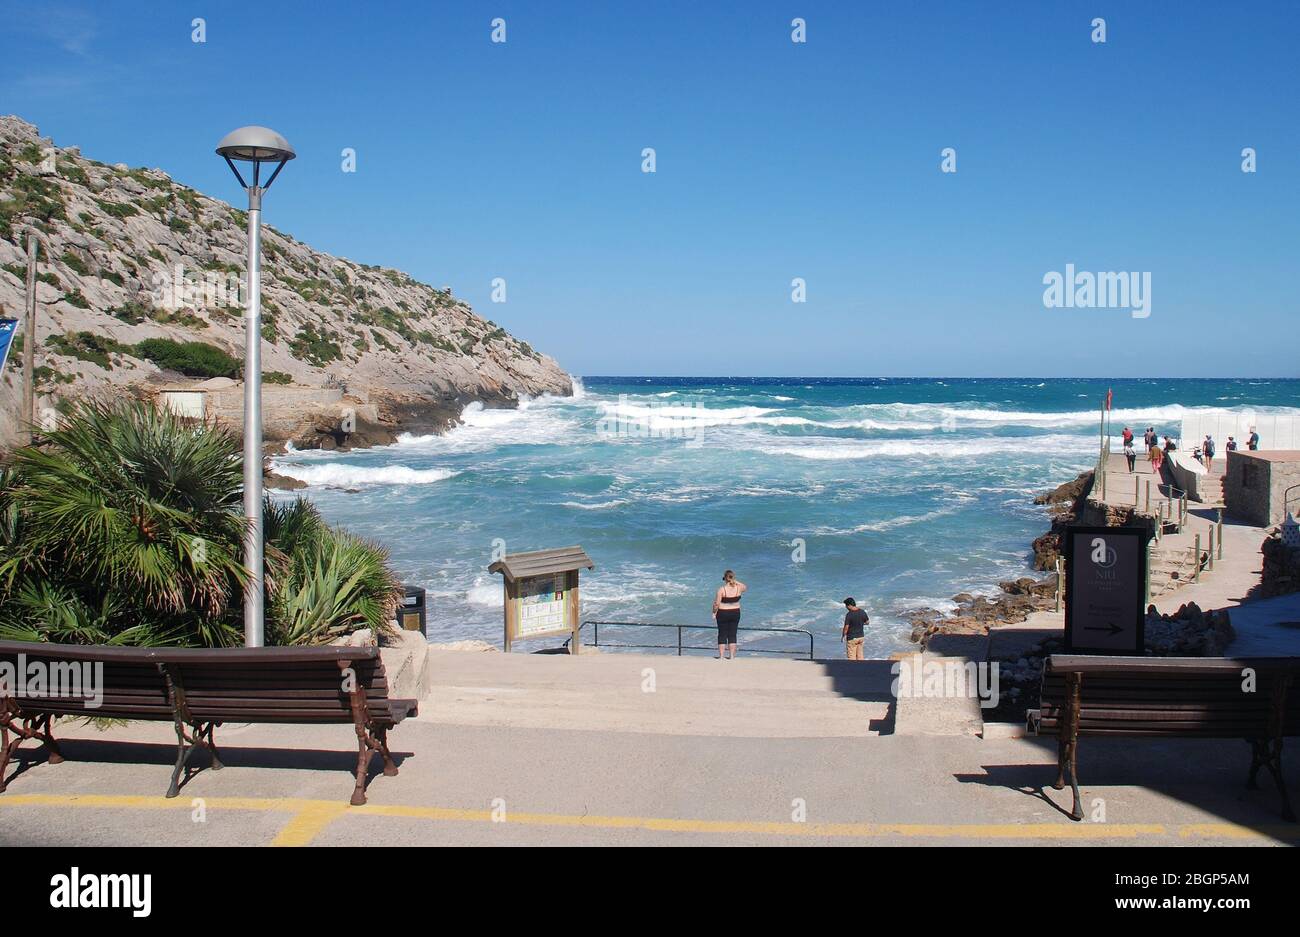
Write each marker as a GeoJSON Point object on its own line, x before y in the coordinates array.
{"type": "Point", "coordinates": [726, 612]}
{"type": "Point", "coordinates": [1129, 454]}
{"type": "Point", "coordinates": [854, 631]}
{"type": "Point", "coordinates": [1207, 450]}
{"type": "Point", "coordinates": [1127, 436]}
{"type": "Point", "coordinates": [1253, 442]}
{"type": "Point", "coordinates": [1156, 456]}
{"type": "Point", "coordinates": [1230, 445]}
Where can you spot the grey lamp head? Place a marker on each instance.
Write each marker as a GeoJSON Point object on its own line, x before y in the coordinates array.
{"type": "Point", "coordinates": [255, 144]}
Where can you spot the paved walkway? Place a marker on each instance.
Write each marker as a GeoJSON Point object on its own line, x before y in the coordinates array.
{"type": "Point", "coordinates": [1261, 625]}
{"type": "Point", "coordinates": [534, 775]}
{"type": "Point", "coordinates": [479, 786]}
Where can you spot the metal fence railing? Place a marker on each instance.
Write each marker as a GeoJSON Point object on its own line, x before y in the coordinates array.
{"type": "Point", "coordinates": [679, 646]}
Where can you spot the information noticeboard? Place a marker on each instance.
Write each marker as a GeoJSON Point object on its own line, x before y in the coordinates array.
{"type": "Point", "coordinates": [542, 606]}
{"type": "Point", "coordinates": [1105, 590]}
{"type": "Point", "coordinates": [541, 593]}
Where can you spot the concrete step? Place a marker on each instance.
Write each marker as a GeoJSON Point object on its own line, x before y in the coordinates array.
{"type": "Point", "coordinates": [663, 694]}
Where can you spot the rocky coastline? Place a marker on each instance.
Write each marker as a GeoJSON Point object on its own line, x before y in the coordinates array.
{"type": "Point", "coordinates": [1017, 598]}
{"type": "Point", "coordinates": [416, 416]}
{"type": "Point", "coordinates": [140, 291]}
{"type": "Point", "coordinates": [1188, 632]}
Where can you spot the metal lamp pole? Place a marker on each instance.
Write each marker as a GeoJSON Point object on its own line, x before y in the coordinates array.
{"type": "Point", "coordinates": [34, 239]}
{"type": "Point", "coordinates": [256, 145]}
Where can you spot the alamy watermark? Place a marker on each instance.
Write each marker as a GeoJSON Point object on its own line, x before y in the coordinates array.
{"type": "Point", "coordinates": [1110, 290]}
{"type": "Point", "coordinates": [915, 678]}
{"type": "Point", "coordinates": [175, 288]}
{"type": "Point", "coordinates": [53, 679]}
{"type": "Point", "coordinates": [77, 889]}
{"type": "Point", "coordinates": [653, 421]}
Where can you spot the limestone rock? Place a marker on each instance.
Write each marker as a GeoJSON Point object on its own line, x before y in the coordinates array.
{"type": "Point", "coordinates": [133, 255]}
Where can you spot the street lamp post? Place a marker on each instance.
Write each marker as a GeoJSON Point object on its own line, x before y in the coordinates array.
{"type": "Point", "coordinates": [34, 238]}
{"type": "Point", "coordinates": [259, 146]}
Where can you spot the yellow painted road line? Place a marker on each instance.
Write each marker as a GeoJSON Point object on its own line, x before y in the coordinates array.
{"type": "Point", "coordinates": [743, 827]}
{"type": "Point", "coordinates": [309, 817]}
{"type": "Point", "coordinates": [307, 823]}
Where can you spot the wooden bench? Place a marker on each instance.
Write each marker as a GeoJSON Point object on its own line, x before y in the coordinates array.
{"type": "Point", "coordinates": [1169, 697]}
{"type": "Point", "coordinates": [199, 689]}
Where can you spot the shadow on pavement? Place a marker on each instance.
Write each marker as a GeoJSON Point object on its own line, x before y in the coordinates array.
{"type": "Point", "coordinates": [869, 681]}
{"type": "Point", "coordinates": [1209, 775]}
{"type": "Point", "coordinates": [93, 751]}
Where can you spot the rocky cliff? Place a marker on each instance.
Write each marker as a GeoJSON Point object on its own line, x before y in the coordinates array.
{"type": "Point", "coordinates": [142, 285]}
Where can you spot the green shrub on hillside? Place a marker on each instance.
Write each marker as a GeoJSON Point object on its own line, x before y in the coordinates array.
{"type": "Point", "coordinates": [72, 172]}
{"type": "Point", "coordinates": [75, 298]}
{"type": "Point", "coordinates": [117, 209]}
{"type": "Point", "coordinates": [131, 312]}
{"type": "Point", "coordinates": [193, 359]}
{"type": "Point", "coordinates": [74, 263]}
{"type": "Point", "coordinates": [87, 346]}
{"type": "Point", "coordinates": [35, 198]}
{"type": "Point", "coordinates": [318, 348]}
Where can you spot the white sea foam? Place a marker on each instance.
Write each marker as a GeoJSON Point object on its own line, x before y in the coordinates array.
{"type": "Point", "coordinates": [545, 420]}
{"type": "Point", "coordinates": [343, 475]}
{"type": "Point", "coordinates": [903, 520]}
{"type": "Point", "coordinates": [594, 506]}
{"type": "Point", "coordinates": [489, 594]}
{"type": "Point", "coordinates": [936, 416]}
{"type": "Point", "coordinates": [935, 447]}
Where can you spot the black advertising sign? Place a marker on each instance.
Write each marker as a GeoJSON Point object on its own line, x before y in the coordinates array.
{"type": "Point", "coordinates": [1105, 590]}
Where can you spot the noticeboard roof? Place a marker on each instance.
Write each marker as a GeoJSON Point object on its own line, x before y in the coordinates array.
{"type": "Point", "coordinates": [542, 562]}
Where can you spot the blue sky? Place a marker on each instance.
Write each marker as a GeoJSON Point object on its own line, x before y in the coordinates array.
{"type": "Point", "coordinates": [775, 160]}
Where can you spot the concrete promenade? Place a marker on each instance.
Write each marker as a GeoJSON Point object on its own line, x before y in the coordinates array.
{"type": "Point", "coordinates": [1262, 626]}
{"type": "Point", "coordinates": [504, 753]}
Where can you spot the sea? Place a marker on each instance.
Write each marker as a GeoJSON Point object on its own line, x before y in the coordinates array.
{"type": "Point", "coordinates": [899, 492]}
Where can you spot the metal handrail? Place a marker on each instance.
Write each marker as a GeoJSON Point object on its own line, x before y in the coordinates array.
{"type": "Point", "coordinates": [1286, 499]}
{"type": "Point", "coordinates": [595, 637]}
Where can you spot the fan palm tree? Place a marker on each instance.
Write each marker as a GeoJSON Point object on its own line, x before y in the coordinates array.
{"type": "Point", "coordinates": [127, 504]}
{"type": "Point", "coordinates": [126, 527]}
{"type": "Point", "coordinates": [322, 582]}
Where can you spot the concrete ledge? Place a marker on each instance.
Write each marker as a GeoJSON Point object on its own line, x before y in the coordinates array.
{"type": "Point", "coordinates": [406, 661]}
{"type": "Point", "coordinates": [1004, 730]}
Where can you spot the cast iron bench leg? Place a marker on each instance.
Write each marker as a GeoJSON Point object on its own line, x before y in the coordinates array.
{"type": "Point", "coordinates": [4, 756]}
{"type": "Point", "coordinates": [13, 735]}
{"type": "Point", "coordinates": [363, 766]}
{"type": "Point", "coordinates": [1077, 812]}
{"type": "Point", "coordinates": [1256, 761]}
{"type": "Point", "coordinates": [55, 756]}
{"type": "Point", "coordinates": [381, 736]}
{"type": "Point", "coordinates": [203, 735]}
{"type": "Point", "coordinates": [183, 754]}
{"type": "Point", "coordinates": [1275, 768]}
{"type": "Point", "coordinates": [1070, 733]}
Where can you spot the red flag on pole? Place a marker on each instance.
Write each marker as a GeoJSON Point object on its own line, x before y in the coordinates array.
{"type": "Point", "coordinates": [1110, 397]}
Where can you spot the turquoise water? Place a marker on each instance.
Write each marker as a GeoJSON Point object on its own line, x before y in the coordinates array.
{"type": "Point", "coordinates": [902, 492]}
